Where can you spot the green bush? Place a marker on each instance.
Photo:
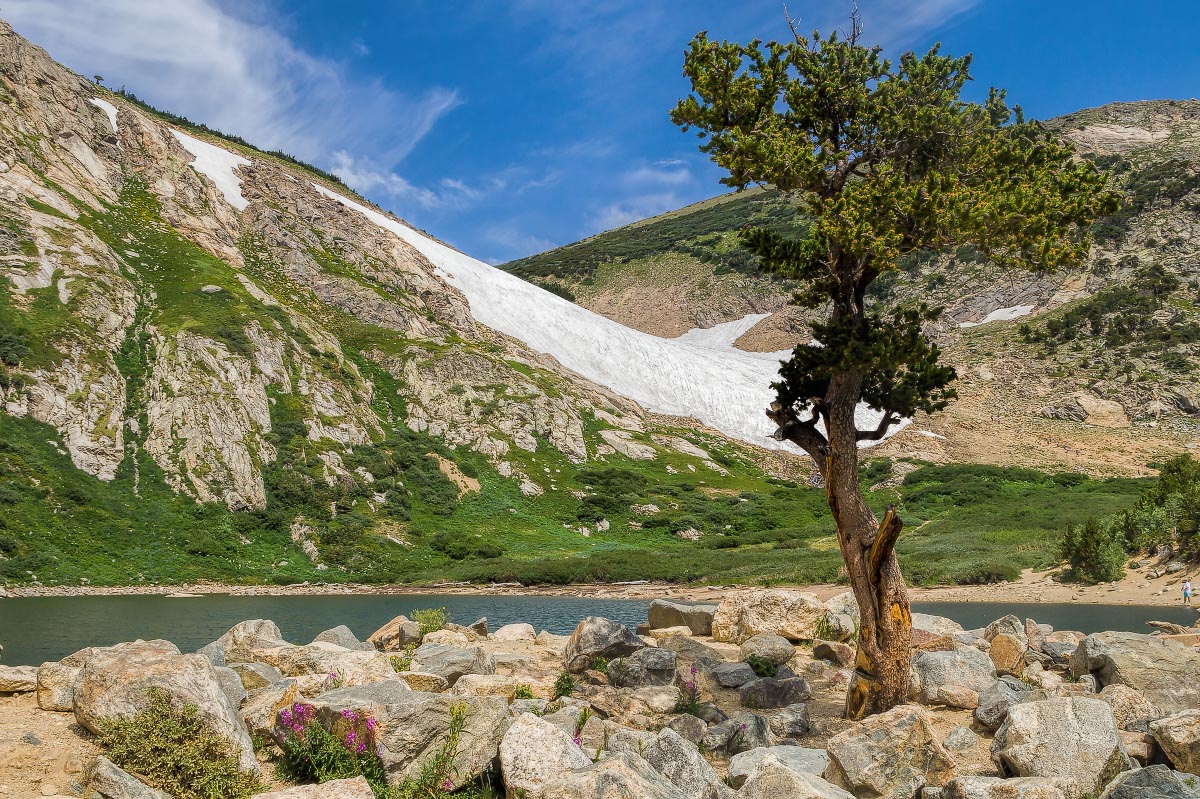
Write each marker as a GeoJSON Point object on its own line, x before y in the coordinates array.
{"type": "Point", "coordinates": [431, 619]}
{"type": "Point", "coordinates": [175, 751]}
{"type": "Point", "coordinates": [564, 685]}
{"type": "Point", "coordinates": [762, 667]}
{"type": "Point", "coordinates": [1096, 551]}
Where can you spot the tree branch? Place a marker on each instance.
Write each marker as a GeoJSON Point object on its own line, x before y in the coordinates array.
{"type": "Point", "coordinates": [885, 424]}
{"type": "Point", "coordinates": [884, 543]}
{"type": "Point", "coordinates": [803, 434]}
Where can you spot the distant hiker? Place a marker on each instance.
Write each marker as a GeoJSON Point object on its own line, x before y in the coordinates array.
{"type": "Point", "coordinates": [1187, 593]}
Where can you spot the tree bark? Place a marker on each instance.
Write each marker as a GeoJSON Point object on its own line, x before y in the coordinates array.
{"type": "Point", "coordinates": [881, 669]}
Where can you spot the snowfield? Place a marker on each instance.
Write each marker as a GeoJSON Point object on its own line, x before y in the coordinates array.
{"type": "Point", "coordinates": [217, 165]}
{"type": "Point", "coordinates": [1001, 315]}
{"type": "Point", "coordinates": [108, 108]}
{"type": "Point", "coordinates": [699, 374]}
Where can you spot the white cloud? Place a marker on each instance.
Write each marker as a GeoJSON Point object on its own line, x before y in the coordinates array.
{"type": "Point", "coordinates": [517, 243]}
{"type": "Point", "coordinates": [674, 175]}
{"type": "Point", "coordinates": [633, 209]}
{"type": "Point", "coordinates": [243, 77]}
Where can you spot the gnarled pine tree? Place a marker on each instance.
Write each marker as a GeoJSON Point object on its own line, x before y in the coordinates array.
{"type": "Point", "coordinates": [886, 160]}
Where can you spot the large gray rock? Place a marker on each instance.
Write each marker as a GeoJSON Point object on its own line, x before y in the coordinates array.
{"type": "Point", "coordinates": [260, 709]}
{"type": "Point", "coordinates": [238, 644]}
{"type": "Point", "coordinates": [231, 684]}
{"type": "Point", "coordinates": [937, 625]}
{"type": "Point", "coordinates": [353, 788]}
{"type": "Point", "coordinates": [841, 617]}
{"type": "Point", "coordinates": [975, 787]}
{"type": "Point", "coordinates": [321, 666]}
{"type": "Point", "coordinates": [772, 778]}
{"type": "Point", "coordinates": [680, 762]}
{"type": "Point", "coordinates": [1162, 670]}
{"type": "Point", "coordinates": [1009, 625]}
{"type": "Point", "coordinates": [256, 675]}
{"type": "Point", "coordinates": [768, 693]}
{"type": "Point", "coordinates": [341, 636]}
{"type": "Point", "coordinates": [18, 679]}
{"type": "Point", "coordinates": [619, 776]}
{"type": "Point", "coordinates": [56, 686]}
{"type": "Point", "coordinates": [739, 733]}
{"type": "Point", "coordinates": [935, 675]}
{"type": "Point", "coordinates": [412, 726]}
{"type": "Point", "coordinates": [697, 618]}
{"type": "Point", "coordinates": [890, 755]}
{"type": "Point", "coordinates": [534, 752]}
{"type": "Point", "coordinates": [1131, 710]}
{"type": "Point", "coordinates": [596, 637]}
{"type": "Point", "coordinates": [451, 662]}
{"type": "Point", "coordinates": [396, 634]}
{"type": "Point", "coordinates": [1070, 737]}
{"type": "Point", "coordinates": [1153, 782]}
{"type": "Point", "coordinates": [650, 666]}
{"type": "Point", "coordinates": [1178, 736]}
{"type": "Point", "coordinates": [105, 780]}
{"type": "Point", "coordinates": [797, 758]}
{"type": "Point", "coordinates": [995, 702]}
{"type": "Point", "coordinates": [774, 649]}
{"type": "Point", "coordinates": [733, 675]}
{"type": "Point", "coordinates": [115, 683]}
{"type": "Point", "coordinates": [791, 722]}
{"type": "Point", "coordinates": [792, 615]}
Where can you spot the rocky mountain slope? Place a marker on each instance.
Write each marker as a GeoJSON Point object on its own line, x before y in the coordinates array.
{"type": "Point", "coordinates": [1094, 370]}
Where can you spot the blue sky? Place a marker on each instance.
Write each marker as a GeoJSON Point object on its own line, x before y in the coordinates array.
{"type": "Point", "coordinates": [507, 128]}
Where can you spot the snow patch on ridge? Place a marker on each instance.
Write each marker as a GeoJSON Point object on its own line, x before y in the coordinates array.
{"type": "Point", "coordinates": [697, 375]}
{"type": "Point", "coordinates": [724, 334]}
{"type": "Point", "coordinates": [1001, 315]}
{"type": "Point", "coordinates": [108, 108]}
{"type": "Point", "coordinates": [218, 166]}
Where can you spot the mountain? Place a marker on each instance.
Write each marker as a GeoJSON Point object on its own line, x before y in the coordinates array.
{"type": "Point", "coordinates": [1093, 370]}
{"type": "Point", "coordinates": [220, 363]}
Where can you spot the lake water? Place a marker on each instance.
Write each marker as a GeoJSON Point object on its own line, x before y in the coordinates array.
{"type": "Point", "coordinates": [34, 630]}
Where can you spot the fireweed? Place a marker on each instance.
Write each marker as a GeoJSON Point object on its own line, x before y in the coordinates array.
{"type": "Point", "coordinates": [312, 753]}
{"type": "Point", "coordinates": [689, 697]}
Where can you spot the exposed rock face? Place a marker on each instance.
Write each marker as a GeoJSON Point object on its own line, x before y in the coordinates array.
{"type": "Point", "coordinates": [890, 755]}
{"type": "Point", "coordinates": [772, 693]}
{"type": "Point", "coordinates": [1073, 738]}
{"type": "Point", "coordinates": [697, 618]}
{"type": "Point", "coordinates": [535, 752]}
{"type": "Point", "coordinates": [114, 682]}
{"type": "Point", "coordinates": [320, 663]}
{"type": "Point", "coordinates": [789, 614]}
{"type": "Point", "coordinates": [515, 632]}
{"type": "Point", "coordinates": [1086, 407]}
{"type": "Point", "coordinates": [1179, 737]}
{"type": "Point", "coordinates": [1161, 670]}
{"type": "Point", "coordinates": [595, 637]}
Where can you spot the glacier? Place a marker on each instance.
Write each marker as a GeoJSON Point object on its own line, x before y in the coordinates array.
{"type": "Point", "coordinates": [698, 375]}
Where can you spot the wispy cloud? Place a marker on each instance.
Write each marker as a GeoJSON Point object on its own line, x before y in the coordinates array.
{"type": "Point", "coordinates": [896, 25]}
{"type": "Point", "coordinates": [632, 209]}
{"type": "Point", "coordinates": [239, 75]}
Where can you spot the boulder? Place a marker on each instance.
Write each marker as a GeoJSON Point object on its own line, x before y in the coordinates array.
{"type": "Point", "coordinates": [514, 632]}
{"type": "Point", "coordinates": [772, 693]}
{"type": "Point", "coordinates": [480, 627]}
{"type": "Point", "coordinates": [889, 755]}
{"type": "Point", "coordinates": [56, 686]}
{"type": "Point", "coordinates": [797, 758]}
{"type": "Point", "coordinates": [552, 641]}
{"type": "Point", "coordinates": [261, 707]}
{"type": "Point", "coordinates": [658, 698]}
{"type": "Point", "coordinates": [960, 739]}
{"type": "Point", "coordinates": [534, 752]}
{"type": "Point", "coordinates": [596, 637]}
{"type": "Point", "coordinates": [1008, 654]}
{"type": "Point", "coordinates": [1071, 737]}
{"type": "Point", "coordinates": [772, 778]}
{"type": "Point", "coordinates": [938, 625]}
{"type": "Point", "coordinates": [231, 684]}
{"type": "Point", "coordinates": [321, 665]}
{"type": "Point", "coordinates": [1163, 671]}
{"type": "Point", "coordinates": [792, 615]}
{"type": "Point", "coordinates": [1140, 746]}
{"type": "Point", "coordinates": [738, 733]}
{"type": "Point", "coordinates": [963, 668]}
{"type": "Point", "coordinates": [340, 636]}
{"type": "Point", "coordinates": [412, 726]}
{"type": "Point", "coordinates": [680, 761]}
{"type": "Point", "coordinates": [975, 787]}
{"type": "Point", "coordinates": [1009, 625]}
{"type": "Point", "coordinates": [689, 727]}
{"type": "Point", "coordinates": [994, 703]}
{"type": "Point", "coordinates": [256, 675]}
{"type": "Point", "coordinates": [450, 662]}
{"type": "Point", "coordinates": [239, 643]}
{"type": "Point", "coordinates": [841, 617]}
{"type": "Point", "coordinates": [698, 618]}
{"type": "Point", "coordinates": [396, 634]}
{"type": "Point", "coordinates": [1131, 710]}
{"type": "Point", "coordinates": [733, 675]}
{"type": "Point", "coordinates": [621, 775]}
{"type": "Point", "coordinates": [770, 647]}
{"type": "Point", "coordinates": [115, 682]}
{"type": "Point", "coordinates": [1178, 736]}
{"type": "Point", "coordinates": [835, 652]}
{"type": "Point", "coordinates": [1153, 782]}
{"type": "Point", "coordinates": [421, 681]}
{"type": "Point", "coordinates": [489, 685]}
{"type": "Point", "coordinates": [18, 679]}
{"type": "Point", "coordinates": [447, 637]}
{"type": "Point", "coordinates": [791, 722]}
{"type": "Point", "coordinates": [650, 666]}
{"type": "Point", "coordinates": [667, 632]}
{"type": "Point", "coordinates": [105, 780]}
{"type": "Point", "coordinates": [353, 788]}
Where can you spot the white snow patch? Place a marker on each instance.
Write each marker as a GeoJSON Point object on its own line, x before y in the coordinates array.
{"type": "Point", "coordinates": [217, 165]}
{"type": "Point", "coordinates": [720, 386]}
{"type": "Point", "coordinates": [1001, 315]}
{"type": "Point", "coordinates": [108, 108]}
{"type": "Point", "coordinates": [930, 434]}
{"type": "Point", "coordinates": [724, 334]}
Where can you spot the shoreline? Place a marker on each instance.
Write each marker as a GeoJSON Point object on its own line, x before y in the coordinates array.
{"type": "Point", "coordinates": [1138, 588]}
